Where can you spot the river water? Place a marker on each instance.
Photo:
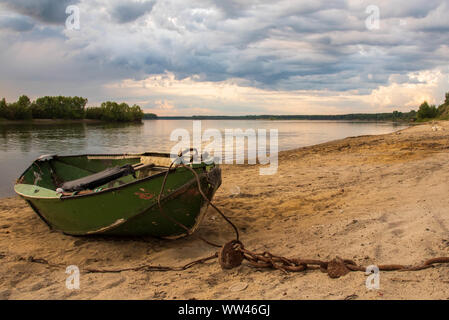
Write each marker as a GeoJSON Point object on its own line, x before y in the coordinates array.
{"type": "Point", "coordinates": [20, 144]}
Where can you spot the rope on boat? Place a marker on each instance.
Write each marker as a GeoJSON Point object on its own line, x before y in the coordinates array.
{"type": "Point", "coordinates": [155, 268]}
{"type": "Point", "coordinates": [236, 230]}
{"type": "Point", "coordinates": [139, 268]}
{"type": "Point", "coordinates": [174, 220]}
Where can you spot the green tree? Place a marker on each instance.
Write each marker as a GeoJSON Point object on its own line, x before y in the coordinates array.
{"type": "Point", "coordinates": [19, 110]}
{"type": "Point", "coordinates": [447, 98]}
{"type": "Point", "coordinates": [94, 113]}
{"type": "Point", "coordinates": [426, 112]}
{"type": "Point", "coordinates": [112, 111]}
{"type": "Point", "coordinates": [396, 115]}
{"type": "Point", "coordinates": [3, 108]}
{"type": "Point", "coordinates": [137, 113]}
{"type": "Point", "coordinates": [59, 107]}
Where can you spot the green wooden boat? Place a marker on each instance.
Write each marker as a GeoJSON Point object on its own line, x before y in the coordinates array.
{"type": "Point", "coordinates": [118, 194]}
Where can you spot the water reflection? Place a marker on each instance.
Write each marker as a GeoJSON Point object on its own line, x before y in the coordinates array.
{"type": "Point", "coordinates": [20, 144]}
{"type": "Point", "coordinates": [30, 138]}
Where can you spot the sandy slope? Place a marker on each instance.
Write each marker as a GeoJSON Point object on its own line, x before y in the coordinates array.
{"type": "Point", "coordinates": [374, 199]}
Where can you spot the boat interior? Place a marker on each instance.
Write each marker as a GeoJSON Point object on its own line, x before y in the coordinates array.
{"type": "Point", "coordinates": [85, 174]}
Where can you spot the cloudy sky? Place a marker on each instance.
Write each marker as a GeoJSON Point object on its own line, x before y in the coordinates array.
{"type": "Point", "coordinates": [179, 57]}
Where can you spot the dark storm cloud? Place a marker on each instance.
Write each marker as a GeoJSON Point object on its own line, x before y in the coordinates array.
{"type": "Point", "coordinates": [129, 11]}
{"type": "Point", "coordinates": [14, 23]}
{"type": "Point", "coordinates": [47, 11]}
{"type": "Point", "coordinates": [287, 45]}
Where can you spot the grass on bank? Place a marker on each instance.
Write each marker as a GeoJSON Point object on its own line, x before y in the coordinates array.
{"type": "Point", "coordinates": [428, 112]}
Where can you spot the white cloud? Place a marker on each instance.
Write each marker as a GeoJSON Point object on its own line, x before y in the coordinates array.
{"type": "Point", "coordinates": [422, 86]}
{"type": "Point", "coordinates": [162, 93]}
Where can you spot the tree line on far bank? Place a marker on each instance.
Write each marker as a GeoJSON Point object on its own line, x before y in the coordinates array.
{"type": "Point", "coordinates": [387, 116]}
{"type": "Point", "coordinates": [75, 108]}
{"type": "Point", "coordinates": [68, 108]}
{"type": "Point", "coordinates": [425, 112]}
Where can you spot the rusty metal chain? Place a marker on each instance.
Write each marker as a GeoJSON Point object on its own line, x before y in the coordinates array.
{"type": "Point", "coordinates": [233, 253]}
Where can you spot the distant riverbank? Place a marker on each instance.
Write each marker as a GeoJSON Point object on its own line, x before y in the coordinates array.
{"type": "Point", "coordinates": [363, 117]}
{"type": "Point", "coordinates": [51, 121]}
{"type": "Point", "coordinates": [97, 121]}
{"type": "Point", "coordinates": [395, 116]}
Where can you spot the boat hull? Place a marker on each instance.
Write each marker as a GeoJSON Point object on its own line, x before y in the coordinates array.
{"type": "Point", "coordinates": [131, 209]}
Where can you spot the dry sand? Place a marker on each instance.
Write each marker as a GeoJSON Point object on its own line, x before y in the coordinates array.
{"type": "Point", "coordinates": [374, 199]}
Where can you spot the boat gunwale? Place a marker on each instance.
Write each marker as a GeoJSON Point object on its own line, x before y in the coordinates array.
{"type": "Point", "coordinates": [132, 155]}
{"type": "Point", "coordinates": [145, 179]}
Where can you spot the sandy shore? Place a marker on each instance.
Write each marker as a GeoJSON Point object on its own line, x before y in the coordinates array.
{"type": "Point", "coordinates": [374, 199]}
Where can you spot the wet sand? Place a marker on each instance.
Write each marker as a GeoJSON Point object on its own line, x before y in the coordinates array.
{"type": "Point", "coordinates": [374, 199]}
